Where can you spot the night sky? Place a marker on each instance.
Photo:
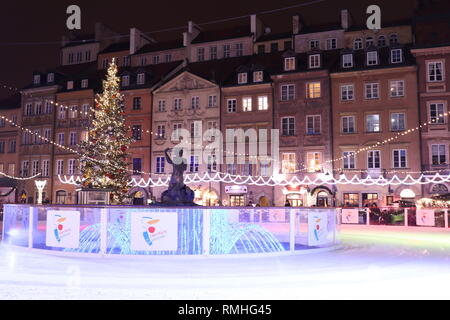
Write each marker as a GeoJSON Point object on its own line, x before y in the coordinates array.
{"type": "Point", "coordinates": [35, 22]}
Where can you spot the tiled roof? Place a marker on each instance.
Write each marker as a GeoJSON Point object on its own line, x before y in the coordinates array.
{"type": "Point", "coordinates": [160, 46]}
{"type": "Point", "coordinates": [275, 36]}
{"type": "Point", "coordinates": [223, 34]}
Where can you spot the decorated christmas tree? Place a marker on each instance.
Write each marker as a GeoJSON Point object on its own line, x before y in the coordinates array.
{"type": "Point", "coordinates": [104, 161]}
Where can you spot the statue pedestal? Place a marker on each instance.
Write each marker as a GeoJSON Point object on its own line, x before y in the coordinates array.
{"type": "Point", "coordinates": [94, 197]}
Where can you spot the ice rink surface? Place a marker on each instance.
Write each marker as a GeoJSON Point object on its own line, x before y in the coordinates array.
{"type": "Point", "coordinates": [373, 263]}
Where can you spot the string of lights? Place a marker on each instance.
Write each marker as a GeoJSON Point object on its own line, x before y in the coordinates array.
{"type": "Point", "coordinates": [19, 178]}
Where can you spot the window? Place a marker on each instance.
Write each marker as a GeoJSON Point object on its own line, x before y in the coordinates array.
{"type": "Point", "coordinates": [349, 159]}
{"type": "Point", "coordinates": [38, 108]}
{"type": "Point", "coordinates": [73, 139]}
{"type": "Point", "coordinates": [247, 169]}
{"type": "Point", "coordinates": [37, 79]}
{"type": "Point", "coordinates": [373, 158]}
{"type": "Point", "coordinates": [45, 168]}
{"type": "Point", "coordinates": [161, 105]}
{"type": "Point", "coordinates": [347, 60]}
{"type": "Point", "coordinates": [35, 168]}
{"type": "Point", "coordinates": [137, 166]}
{"type": "Point", "coordinates": [242, 78]}
{"type": "Point", "coordinates": [137, 132]}
{"type": "Point", "coordinates": [126, 61]}
{"type": "Point", "coordinates": [435, 71]}
{"type": "Point", "coordinates": [263, 103]}
{"type": "Point", "coordinates": [12, 146]}
{"type": "Point", "coordinates": [200, 54]}
{"type": "Point", "coordinates": [73, 112]}
{"type": "Point", "coordinates": [79, 56]}
{"type": "Point", "coordinates": [70, 58]}
{"type": "Point", "coordinates": [48, 108]}
{"type": "Point", "coordinates": [213, 53]}
{"type": "Point", "coordinates": [168, 57]}
{"type": "Point", "coordinates": [60, 167]}
{"type": "Point", "coordinates": [61, 197]}
{"type": "Point", "coordinates": [289, 64]}
{"type": "Point", "coordinates": [212, 101]}
{"type": "Point", "coordinates": [288, 126]}
{"type": "Point", "coordinates": [176, 134]}
{"type": "Point", "coordinates": [373, 123]}
{"type": "Point", "coordinates": [62, 113]}
{"type": "Point", "coordinates": [137, 103]}
{"type": "Point", "coordinates": [212, 125]}
{"type": "Point", "coordinates": [161, 132]}
{"type": "Point", "coordinates": [287, 92]}
{"type": "Point", "coordinates": [274, 47]}
{"type": "Point", "coordinates": [212, 163]}
{"type": "Point", "coordinates": [141, 78]}
{"type": "Point", "coordinates": [314, 61]}
{"type": "Point", "coordinates": [194, 164]}
{"type": "Point", "coordinates": [372, 58]}
{"type": "Point", "coordinates": [237, 201]}
{"type": "Point", "coordinates": [2, 146]}
{"type": "Point", "coordinates": [155, 59]}
{"type": "Point", "coordinates": [314, 90]}
{"type": "Point", "coordinates": [160, 165]}
{"type": "Point", "coordinates": [232, 169]}
{"type": "Point", "coordinates": [261, 49]}
{"type": "Point", "coordinates": [50, 77]}
{"type": "Point", "coordinates": [347, 92]}
{"type": "Point", "coordinates": [369, 198]}
{"type": "Point", "coordinates": [289, 163]}
{"type": "Point", "coordinates": [437, 113]}
{"type": "Point", "coordinates": [232, 105]}
{"type": "Point", "coordinates": [125, 81]}
{"type": "Point", "coordinates": [258, 76]}
{"type": "Point", "coordinates": [393, 39]}
{"type": "Point", "coordinates": [369, 42]}
{"type": "Point", "coordinates": [397, 88]}
{"type": "Point", "coordinates": [47, 135]}
{"type": "Point", "coordinates": [438, 154]}
{"type": "Point", "coordinates": [226, 51]}
{"type": "Point", "coordinates": [313, 44]}
{"type": "Point", "coordinates": [239, 49]}
{"type": "Point", "coordinates": [84, 83]}
{"type": "Point", "coordinates": [177, 104]}
{"type": "Point", "coordinates": [357, 44]}
{"type": "Point", "coordinates": [399, 157]}
{"type": "Point", "coordinates": [348, 124]}
{"type": "Point", "coordinates": [69, 85]}
{"type": "Point", "coordinates": [85, 110]}
{"type": "Point", "coordinates": [398, 122]}
{"type": "Point", "coordinates": [24, 170]}
{"type": "Point", "coordinates": [196, 129]}
{"type": "Point", "coordinates": [331, 43]}
{"type": "Point", "coordinates": [29, 109]}
{"type": "Point", "coordinates": [87, 55]}
{"type": "Point", "coordinates": [372, 90]}
{"type": "Point", "coordinates": [2, 123]}
{"type": "Point", "coordinates": [72, 167]}
{"type": "Point", "coordinates": [143, 61]}
{"type": "Point", "coordinates": [61, 139]}
{"type": "Point", "coordinates": [314, 161]}
{"type": "Point", "coordinates": [246, 104]}
{"type": "Point", "coordinates": [313, 124]}
{"type": "Point", "coordinates": [381, 41]}
{"type": "Point", "coordinates": [265, 169]}
{"type": "Point", "coordinates": [36, 134]}
{"type": "Point", "coordinates": [195, 103]}
{"type": "Point", "coordinates": [396, 56]}
{"type": "Point", "coordinates": [351, 200]}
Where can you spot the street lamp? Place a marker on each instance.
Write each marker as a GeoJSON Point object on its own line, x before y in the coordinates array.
{"type": "Point", "coordinates": [40, 185]}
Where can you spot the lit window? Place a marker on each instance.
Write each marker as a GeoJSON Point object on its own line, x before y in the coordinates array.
{"type": "Point", "coordinates": [69, 85]}
{"type": "Point", "coordinates": [373, 123]}
{"type": "Point", "coordinates": [314, 90]}
{"type": "Point", "coordinates": [263, 103]}
{"type": "Point", "coordinates": [397, 88]}
{"type": "Point", "coordinates": [257, 76]}
{"type": "Point", "coordinates": [242, 78]}
{"type": "Point", "coordinates": [314, 160]}
{"type": "Point", "coordinates": [247, 104]}
{"type": "Point", "coordinates": [289, 163]}
{"type": "Point", "coordinates": [289, 64]}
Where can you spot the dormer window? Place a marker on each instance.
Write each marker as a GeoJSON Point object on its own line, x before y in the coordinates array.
{"type": "Point", "coordinates": [242, 78]}
{"type": "Point", "coordinates": [396, 56]}
{"type": "Point", "coordinates": [84, 83]}
{"type": "Point", "coordinates": [369, 42]}
{"type": "Point", "coordinates": [347, 60]}
{"type": "Point", "coordinates": [69, 85]}
{"type": "Point", "coordinates": [314, 61]}
{"type": "Point", "coordinates": [258, 76]}
{"type": "Point", "coordinates": [141, 78]}
{"type": "Point", "coordinates": [125, 81]}
{"type": "Point", "coordinates": [37, 79]}
{"type": "Point", "coordinates": [50, 77]}
{"type": "Point", "coordinates": [314, 44]}
{"type": "Point", "coordinates": [372, 58]}
{"type": "Point", "coordinates": [289, 64]}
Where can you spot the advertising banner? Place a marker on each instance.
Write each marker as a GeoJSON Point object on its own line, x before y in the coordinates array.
{"type": "Point", "coordinates": [154, 231]}
{"type": "Point", "coordinates": [317, 228]}
{"type": "Point", "coordinates": [63, 229]}
{"type": "Point", "coordinates": [425, 218]}
{"type": "Point", "coordinates": [350, 216]}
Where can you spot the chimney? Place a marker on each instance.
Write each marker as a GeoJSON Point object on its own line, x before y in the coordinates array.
{"type": "Point", "coordinates": [256, 26]}
{"type": "Point", "coordinates": [346, 19]}
{"type": "Point", "coordinates": [191, 34]}
{"type": "Point", "coordinates": [296, 24]}
{"type": "Point", "coordinates": [138, 40]}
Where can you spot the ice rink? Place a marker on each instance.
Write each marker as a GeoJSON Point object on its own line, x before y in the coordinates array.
{"type": "Point", "coordinates": [373, 263]}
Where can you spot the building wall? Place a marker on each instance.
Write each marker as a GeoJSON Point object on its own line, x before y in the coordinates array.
{"type": "Point", "coordinates": [184, 86]}
{"type": "Point", "coordinates": [92, 49]}
{"type": "Point", "coordinates": [177, 54]}
{"type": "Point", "coordinates": [267, 45]}
{"type": "Point", "coordinates": [404, 34]}
{"type": "Point", "coordinates": [302, 40]}
{"type": "Point", "coordinates": [256, 120]}
{"type": "Point", "coordinates": [247, 43]}
{"type": "Point", "coordinates": [120, 55]}
{"type": "Point", "coordinates": [384, 106]}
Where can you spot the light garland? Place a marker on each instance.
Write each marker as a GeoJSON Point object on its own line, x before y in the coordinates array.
{"type": "Point", "coordinates": [20, 179]}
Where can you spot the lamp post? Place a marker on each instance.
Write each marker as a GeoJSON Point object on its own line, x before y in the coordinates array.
{"type": "Point", "coordinates": [40, 185]}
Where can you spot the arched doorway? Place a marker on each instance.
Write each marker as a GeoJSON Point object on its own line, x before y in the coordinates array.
{"type": "Point", "coordinates": [138, 199]}
{"type": "Point", "coordinates": [138, 196]}
{"type": "Point", "coordinates": [61, 197]}
{"type": "Point", "coordinates": [323, 196]}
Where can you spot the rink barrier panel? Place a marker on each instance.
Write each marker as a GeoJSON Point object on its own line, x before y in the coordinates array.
{"type": "Point", "coordinates": [248, 231]}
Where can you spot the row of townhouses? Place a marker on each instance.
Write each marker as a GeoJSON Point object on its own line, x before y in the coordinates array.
{"type": "Point", "coordinates": [332, 92]}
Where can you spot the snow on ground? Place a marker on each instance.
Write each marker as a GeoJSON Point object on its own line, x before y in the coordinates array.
{"type": "Point", "coordinates": [373, 263]}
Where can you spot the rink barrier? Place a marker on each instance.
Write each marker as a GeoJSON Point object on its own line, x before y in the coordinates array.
{"type": "Point", "coordinates": [151, 231]}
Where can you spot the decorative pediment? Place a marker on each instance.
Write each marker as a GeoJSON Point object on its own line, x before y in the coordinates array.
{"type": "Point", "coordinates": [186, 82]}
